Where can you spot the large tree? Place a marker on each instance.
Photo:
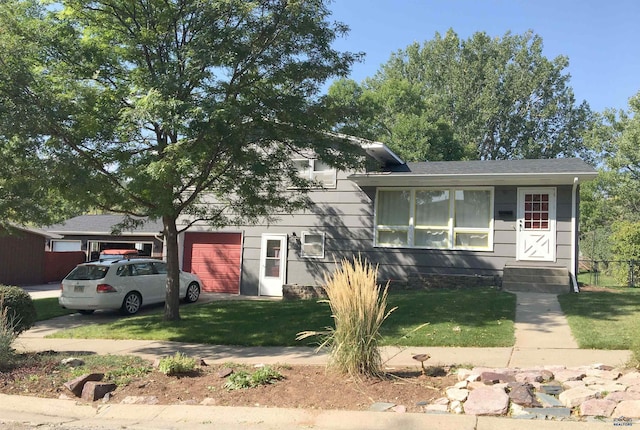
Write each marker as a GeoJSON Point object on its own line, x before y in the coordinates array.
{"type": "Point", "coordinates": [165, 108]}
{"type": "Point", "coordinates": [480, 98]}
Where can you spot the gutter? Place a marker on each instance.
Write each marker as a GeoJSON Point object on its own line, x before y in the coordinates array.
{"type": "Point", "coordinates": [574, 232]}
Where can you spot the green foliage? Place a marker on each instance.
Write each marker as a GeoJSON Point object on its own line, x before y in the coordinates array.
{"type": "Point", "coordinates": [358, 307]}
{"type": "Point", "coordinates": [19, 308]}
{"type": "Point", "coordinates": [480, 98]}
{"type": "Point", "coordinates": [240, 379]}
{"type": "Point", "coordinates": [626, 247]}
{"type": "Point", "coordinates": [179, 363]}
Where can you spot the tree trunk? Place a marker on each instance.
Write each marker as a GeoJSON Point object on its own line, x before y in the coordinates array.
{"type": "Point", "coordinates": [172, 300]}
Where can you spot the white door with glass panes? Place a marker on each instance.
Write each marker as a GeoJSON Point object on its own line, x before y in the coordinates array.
{"type": "Point", "coordinates": [536, 224]}
{"type": "Point", "coordinates": [273, 264]}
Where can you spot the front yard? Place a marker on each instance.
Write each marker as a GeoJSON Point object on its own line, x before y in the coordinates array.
{"type": "Point", "coordinates": [604, 318]}
{"type": "Point", "coordinates": [481, 317]}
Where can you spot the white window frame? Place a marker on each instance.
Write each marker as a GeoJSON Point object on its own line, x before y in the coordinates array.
{"type": "Point", "coordinates": [303, 242]}
{"type": "Point", "coordinates": [317, 175]}
{"type": "Point", "coordinates": [451, 229]}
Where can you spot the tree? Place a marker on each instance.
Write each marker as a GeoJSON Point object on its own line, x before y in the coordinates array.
{"type": "Point", "coordinates": [480, 98]}
{"type": "Point", "coordinates": [610, 206]}
{"type": "Point", "coordinates": [165, 108]}
{"type": "Point", "coordinates": [26, 194]}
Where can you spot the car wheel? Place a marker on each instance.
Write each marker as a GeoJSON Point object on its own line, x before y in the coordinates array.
{"type": "Point", "coordinates": [193, 292]}
{"type": "Point", "coordinates": [131, 303]}
{"type": "Point", "coordinates": [86, 311]}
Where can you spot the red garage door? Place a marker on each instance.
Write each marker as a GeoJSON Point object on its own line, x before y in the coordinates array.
{"type": "Point", "coordinates": [215, 258]}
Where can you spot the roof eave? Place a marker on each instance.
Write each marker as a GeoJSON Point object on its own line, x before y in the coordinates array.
{"type": "Point", "coordinates": [413, 179]}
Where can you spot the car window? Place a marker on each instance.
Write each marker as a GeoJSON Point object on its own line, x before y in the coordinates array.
{"type": "Point", "coordinates": [124, 270]}
{"type": "Point", "coordinates": [88, 272]}
{"type": "Point", "coordinates": [143, 269]}
{"type": "Point", "coordinates": [160, 267]}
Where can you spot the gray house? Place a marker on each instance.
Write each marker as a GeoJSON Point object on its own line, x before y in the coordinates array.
{"type": "Point", "coordinates": [514, 222]}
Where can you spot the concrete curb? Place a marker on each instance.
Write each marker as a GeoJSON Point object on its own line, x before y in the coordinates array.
{"type": "Point", "coordinates": [71, 414]}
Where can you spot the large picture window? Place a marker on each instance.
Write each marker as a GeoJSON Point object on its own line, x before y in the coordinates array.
{"type": "Point", "coordinates": [447, 218]}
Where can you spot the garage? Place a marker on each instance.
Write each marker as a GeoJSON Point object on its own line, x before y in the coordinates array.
{"type": "Point", "coordinates": [215, 258]}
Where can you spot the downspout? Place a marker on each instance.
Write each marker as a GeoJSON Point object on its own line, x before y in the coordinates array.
{"type": "Point", "coordinates": [574, 233]}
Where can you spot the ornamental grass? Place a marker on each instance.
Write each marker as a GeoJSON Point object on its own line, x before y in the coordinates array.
{"type": "Point", "coordinates": [358, 306]}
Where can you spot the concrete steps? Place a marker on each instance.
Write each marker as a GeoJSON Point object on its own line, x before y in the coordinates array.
{"type": "Point", "coordinates": [536, 279]}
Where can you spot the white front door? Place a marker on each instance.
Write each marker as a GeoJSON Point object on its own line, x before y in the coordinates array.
{"type": "Point", "coordinates": [536, 225]}
{"type": "Point", "coordinates": [273, 264]}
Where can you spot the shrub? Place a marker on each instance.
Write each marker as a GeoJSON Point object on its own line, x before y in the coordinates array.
{"type": "Point", "coordinates": [243, 379]}
{"type": "Point", "coordinates": [7, 337]}
{"type": "Point", "coordinates": [177, 364]}
{"type": "Point", "coordinates": [358, 308]}
{"type": "Point", "coordinates": [626, 247]}
{"type": "Point", "coordinates": [19, 308]}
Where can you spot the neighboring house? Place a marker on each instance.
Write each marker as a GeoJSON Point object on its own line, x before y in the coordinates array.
{"type": "Point", "coordinates": [22, 255]}
{"type": "Point", "coordinates": [93, 234]}
{"type": "Point", "coordinates": [463, 218]}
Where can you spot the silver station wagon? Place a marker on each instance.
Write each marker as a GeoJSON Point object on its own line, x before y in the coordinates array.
{"type": "Point", "coordinates": [122, 284]}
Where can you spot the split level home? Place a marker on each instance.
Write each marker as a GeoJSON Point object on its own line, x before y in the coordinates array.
{"type": "Point", "coordinates": [509, 223]}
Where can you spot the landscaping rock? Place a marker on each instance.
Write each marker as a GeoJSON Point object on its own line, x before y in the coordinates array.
{"type": "Point", "coordinates": [568, 375]}
{"type": "Point", "coordinates": [553, 389]}
{"type": "Point", "coordinates": [463, 374]}
{"type": "Point", "coordinates": [627, 409]}
{"type": "Point", "coordinates": [76, 385]}
{"type": "Point", "coordinates": [224, 372]}
{"type": "Point", "coordinates": [456, 407]}
{"type": "Point", "coordinates": [209, 401]}
{"type": "Point", "coordinates": [487, 401]}
{"type": "Point", "coordinates": [522, 394]}
{"type": "Point", "coordinates": [548, 401]}
{"type": "Point", "coordinates": [140, 400]}
{"type": "Point", "coordinates": [72, 362]}
{"type": "Point", "coordinates": [597, 408]}
{"type": "Point", "coordinates": [529, 377]}
{"type": "Point", "coordinates": [457, 394]}
{"type": "Point", "coordinates": [490, 378]}
{"type": "Point", "coordinates": [619, 396]}
{"type": "Point", "coordinates": [575, 396]}
{"type": "Point", "coordinates": [545, 413]}
{"type": "Point", "coordinates": [93, 390]}
{"type": "Point", "coordinates": [381, 406]}
{"type": "Point", "coordinates": [631, 378]}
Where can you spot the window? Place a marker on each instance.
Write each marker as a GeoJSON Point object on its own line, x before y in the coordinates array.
{"type": "Point", "coordinates": [317, 171]}
{"type": "Point", "coordinates": [448, 218]}
{"type": "Point", "coordinates": [312, 244]}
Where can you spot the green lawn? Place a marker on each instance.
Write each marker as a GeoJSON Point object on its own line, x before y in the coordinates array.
{"type": "Point", "coordinates": [600, 279]}
{"type": "Point", "coordinates": [471, 317]}
{"type": "Point", "coordinates": [603, 320]}
{"type": "Point", "coordinates": [49, 308]}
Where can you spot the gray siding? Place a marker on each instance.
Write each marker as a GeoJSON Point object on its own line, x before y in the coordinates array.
{"type": "Point", "coordinates": [345, 215]}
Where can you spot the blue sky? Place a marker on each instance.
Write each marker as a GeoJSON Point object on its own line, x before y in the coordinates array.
{"type": "Point", "coordinates": [601, 38]}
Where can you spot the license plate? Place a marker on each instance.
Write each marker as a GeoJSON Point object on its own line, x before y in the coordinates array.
{"type": "Point", "coordinates": [78, 289]}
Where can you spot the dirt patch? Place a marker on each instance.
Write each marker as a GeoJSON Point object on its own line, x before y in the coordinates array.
{"type": "Point", "coordinates": [307, 387]}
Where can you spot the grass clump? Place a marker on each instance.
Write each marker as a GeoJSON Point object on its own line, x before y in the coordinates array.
{"type": "Point", "coordinates": [242, 379]}
{"type": "Point", "coordinates": [7, 335]}
{"type": "Point", "coordinates": [177, 364]}
{"type": "Point", "coordinates": [358, 306]}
